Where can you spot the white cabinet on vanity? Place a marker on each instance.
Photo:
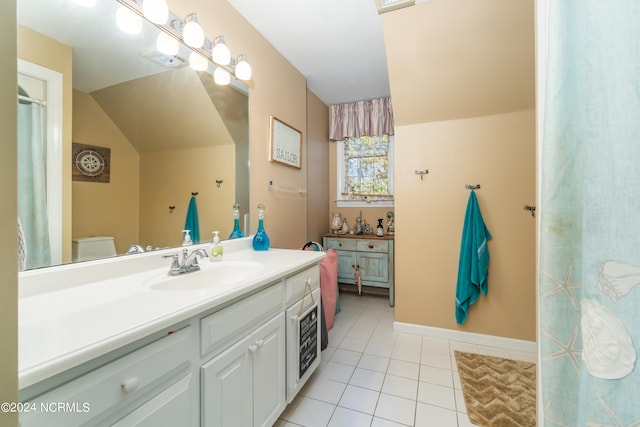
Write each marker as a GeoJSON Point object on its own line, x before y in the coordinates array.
{"type": "Point", "coordinates": [231, 362]}
{"type": "Point", "coordinates": [245, 384]}
{"type": "Point", "coordinates": [151, 382]}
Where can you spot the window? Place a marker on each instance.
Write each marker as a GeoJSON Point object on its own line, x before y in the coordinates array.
{"type": "Point", "coordinates": [365, 171]}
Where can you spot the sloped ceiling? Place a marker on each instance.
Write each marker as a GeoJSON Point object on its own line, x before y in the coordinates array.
{"type": "Point", "coordinates": [451, 59]}
{"type": "Point", "coordinates": [175, 109]}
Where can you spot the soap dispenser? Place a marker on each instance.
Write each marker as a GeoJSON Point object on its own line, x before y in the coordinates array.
{"type": "Point", "coordinates": [186, 240]}
{"type": "Point", "coordinates": [236, 233]}
{"type": "Point", "coordinates": [215, 253]}
{"type": "Point", "coordinates": [261, 240]}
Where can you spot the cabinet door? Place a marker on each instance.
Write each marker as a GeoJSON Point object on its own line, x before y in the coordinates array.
{"type": "Point", "coordinates": [226, 385]}
{"type": "Point", "coordinates": [374, 269]}
{"type": "Point", "coordinates": [171, 407]}
{"type": "Point", "coordinates": [346, 266]}
{"type": "Point", "coordinates": [268, 352]}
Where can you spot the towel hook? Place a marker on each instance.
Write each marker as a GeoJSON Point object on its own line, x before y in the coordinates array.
{"type": "Point", "coordinates": [531, 209]}
{"type": "Point", "coordinates": [422, 173]}
{"type": "Point", "coordinates": [171, 208]}
{"type": "Point", "coordinates": [472, 187]}
{"type": "Point", "coordinates": [218, 182]}
{"type": "Point", "coordinates": [194, 194]}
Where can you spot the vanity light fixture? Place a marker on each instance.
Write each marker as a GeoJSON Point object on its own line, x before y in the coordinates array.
{"type": "Point", "coordinates": [242, 67]}
{"type": "Point", "coordinates": [221, 76]}
{"type": "Point", "coordinates": [220, 52]}
{"type": "Point", "coordinates": [167, 44]}
{"type": "Point", "coordinates": [128, 21]}
{"type": "Point", "coordinates": [192, 33]}
{"type": "Point", "coordinates": [198, 62]}
{"type": "Point", "coordinates": [155, 11]}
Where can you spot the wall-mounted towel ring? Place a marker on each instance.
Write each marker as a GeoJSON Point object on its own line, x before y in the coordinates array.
{"type": "Point", "coordinates": [171, 208]}
{"type": "Point", "coordinates": [422, 173]}
{"type": "Point", "coordinates": [472, 187]}
{"type": "Point", "coordinates": [531, 209]}
{"type": "Point", "coordinates": [218, 182]}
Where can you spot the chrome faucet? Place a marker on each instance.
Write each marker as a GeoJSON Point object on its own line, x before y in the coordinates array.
{"type": "Point", "coordinates": [135, 249]}
{"type": "Point", "coordinates": [189, 261]}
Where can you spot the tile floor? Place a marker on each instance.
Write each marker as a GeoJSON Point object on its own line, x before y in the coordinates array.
{"type": "Point", "coordinates": [373, 376]}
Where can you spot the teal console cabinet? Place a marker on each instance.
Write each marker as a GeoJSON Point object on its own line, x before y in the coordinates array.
{"type": "Point", "coordinates": [374, 256]}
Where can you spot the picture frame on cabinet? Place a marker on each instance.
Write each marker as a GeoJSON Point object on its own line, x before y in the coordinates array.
{"type": "Point", "coordinates": [285, 143]}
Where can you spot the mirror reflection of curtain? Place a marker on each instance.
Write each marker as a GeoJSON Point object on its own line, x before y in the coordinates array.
{"type": "Point", "coordinates": [32, 185]}
{"type": "Point", "coordinates": [589, 301]}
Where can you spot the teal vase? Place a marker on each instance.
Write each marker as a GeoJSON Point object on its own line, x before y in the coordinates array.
{"type": "Point", "coordinates": [236, 233]}
{"type": "Point", "coordinates": [261, 239]}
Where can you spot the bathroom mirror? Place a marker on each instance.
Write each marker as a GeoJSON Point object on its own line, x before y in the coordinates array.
{"type": "Point", "coordinates": [161, 131]}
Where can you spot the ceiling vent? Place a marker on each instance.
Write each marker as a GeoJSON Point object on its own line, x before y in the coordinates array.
{"type": "Point", "coordinates": [166, 61]}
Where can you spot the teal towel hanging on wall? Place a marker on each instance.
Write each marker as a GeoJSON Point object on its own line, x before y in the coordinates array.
{"type": "Point", "coordinates": [191, 222]}
{"type": "Point", "coordinates": [474, 260]}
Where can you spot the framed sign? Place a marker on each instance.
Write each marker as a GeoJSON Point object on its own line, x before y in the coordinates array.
{"type": "Point", "coordinates": [285, 144]}
{"type": "Point", "coordinates": [90, 163]}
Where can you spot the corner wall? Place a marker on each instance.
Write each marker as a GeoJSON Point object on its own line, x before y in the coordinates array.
{"type": "Point", "coordinates": [8, 213]}
{"type": "Point", "coordinates": [318, 148]}
{"type": "Point", "coordinates": [277, 89]}
{"type": "Point", "coordinates": [497, 152]}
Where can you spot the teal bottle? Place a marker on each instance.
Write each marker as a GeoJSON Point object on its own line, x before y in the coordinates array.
{"type": "Point", "coordinates": [236, 233]}
{"type": "Point", "coordinates": [260, 240]}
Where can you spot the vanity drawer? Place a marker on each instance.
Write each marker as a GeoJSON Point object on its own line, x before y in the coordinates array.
{"type": "Point", "coordinates": [296, 284]}
{"type": "Point", "coordinates": [118, 382]}
{"type": "Point", "coordinates": [340, 244]}
{"type": "Point", "coordinates": [373, 246]}
{"type": "Point", "coordinates": [224, 326]}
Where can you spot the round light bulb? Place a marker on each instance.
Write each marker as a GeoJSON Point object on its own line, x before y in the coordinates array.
{"type": "Point", "coordinates": [128, 21]}
{"type": "Point", "coordinates": [243, 69]}
{"type": "Point", "coordinates": [192, 33]}
{"type": "Point", "coordinates": [155, 11]}
{"type": "Point", "coordinates": [198, 62]}
{"type": "Point", "coordinates": [220, 52]}
{"type": "Point", "coordinates": [221, 76]}
{"type": "Point", "coordinates": [167, 44]}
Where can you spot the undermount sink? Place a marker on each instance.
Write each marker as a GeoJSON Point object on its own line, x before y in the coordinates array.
{"type": "Point", "coordinates": [220, 273]}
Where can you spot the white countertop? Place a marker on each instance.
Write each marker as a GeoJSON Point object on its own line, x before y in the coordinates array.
{"type": "Point", "coordinates": [62, 325]}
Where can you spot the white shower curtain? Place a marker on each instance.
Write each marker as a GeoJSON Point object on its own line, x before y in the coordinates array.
{"type": "Point", "coordinates": [32, 185]}
{"type": "Point", "coordinates": [589, 304]}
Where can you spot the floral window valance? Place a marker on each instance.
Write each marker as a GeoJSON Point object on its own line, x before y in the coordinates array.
{"type": "Point", "coordinates": [363, 118]}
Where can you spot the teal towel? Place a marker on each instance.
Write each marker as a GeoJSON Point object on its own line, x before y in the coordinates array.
{"type": "Point", "coordinates": [474, 260]}
{"type": "Point", "coordinates": [192, 221]}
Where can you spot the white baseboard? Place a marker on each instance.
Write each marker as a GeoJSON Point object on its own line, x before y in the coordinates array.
{"type": "Point", "coordinates": [470, 337]}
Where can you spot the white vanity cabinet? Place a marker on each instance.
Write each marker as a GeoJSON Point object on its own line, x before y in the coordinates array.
{"type": "Point", "coordinates": [302, 292]}
{"type": "Point", "coordinates": [230, 360]}
{"type": "Point", "coordinates": [150, 382]}
{"type": "Point", "coordinates": [245, 384]}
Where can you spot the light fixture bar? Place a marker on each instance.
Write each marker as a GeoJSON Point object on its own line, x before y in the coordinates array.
{"type": "Point", "coordinates": [173, 29]}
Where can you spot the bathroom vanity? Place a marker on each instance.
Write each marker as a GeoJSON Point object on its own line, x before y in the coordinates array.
{"type": "Point", "coordinates": [373, 256]}
{"type": "Point", "coordinates": [118, 342]}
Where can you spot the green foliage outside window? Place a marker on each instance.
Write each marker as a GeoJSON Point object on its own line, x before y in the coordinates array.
{"type": "Point", "coordinates": [367, 166]}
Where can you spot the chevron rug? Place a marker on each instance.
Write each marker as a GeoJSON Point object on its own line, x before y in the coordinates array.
{"type": "Point", "coordinates": [498, 392]}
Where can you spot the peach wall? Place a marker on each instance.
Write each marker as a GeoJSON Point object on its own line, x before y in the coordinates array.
{"type": "Point", "coordinates": [8, 214]}
{"type": "Point", "coordinates": [191, 170]}
{"type": "Point", "coordinates": [318, 146]}
{"type": "Point", "coordinates": [101, 208]}
{"type": "Point", "coordinates": [277, 89]}
{"type": "Point", "coordinates": [497, 152]}
{"type": "Point", "coordinates": [44, 51]}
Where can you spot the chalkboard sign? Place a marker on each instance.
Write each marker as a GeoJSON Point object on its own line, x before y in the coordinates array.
{"type": "Point", "coordinates": [308, 339]}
